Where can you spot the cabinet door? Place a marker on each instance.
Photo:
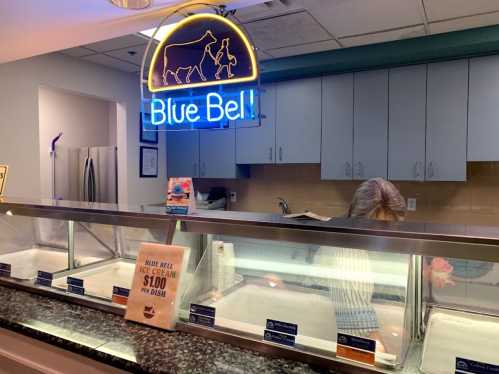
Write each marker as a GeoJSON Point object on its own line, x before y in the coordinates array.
{"type": "Point", "coordinates": [337, 127]}
{"type": "Point", "coordinates": [370, 152]}
{"type": "Point", "coordinates": [256, 145]}
{"type": "Point", "coordinates": [483, 116]}
{"type": "Point", "coordinates": [407, 123]}
{"type": "Point", "coordinates": [182, 153]}
{"type": "Point", "coordinates": [447, 121]}
{"type": "Point", "coordinates": [298, 121]}
{"type": "Point", "coordinates": [217, 151]}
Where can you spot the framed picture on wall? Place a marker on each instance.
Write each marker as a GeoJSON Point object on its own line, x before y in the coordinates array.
{"type": "Point", "coordinates": [148, 162]}
{"type": "Point", "coordinates": [146, 135]}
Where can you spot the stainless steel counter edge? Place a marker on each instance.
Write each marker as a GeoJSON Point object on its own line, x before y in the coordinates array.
{"type": "Point", "coordinates": [462, 241]}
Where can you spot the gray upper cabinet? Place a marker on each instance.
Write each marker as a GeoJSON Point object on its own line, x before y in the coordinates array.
{"type": "Point", "coordinates": [370, 145]}
{"type": "Point", "coordinates": [182, 154]}
{"type": "Point", "coordinates": [256, 145]}
{"type": "Point", "coordinates": [407, 123]}
{"type": "Point", "coordinates": [298, 121]}
{"type": "Point", "coordinates": [337, 127]}
{"type": "Point", "coordinates": [447, 113]}
{"type": "Point", "coordinates": [483, 115]}
{"type": "Point", "coordinates": [217, 153]}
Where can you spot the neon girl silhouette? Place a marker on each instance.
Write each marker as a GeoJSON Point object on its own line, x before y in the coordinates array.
{"type": "Point", "coordinates": [225, 60]}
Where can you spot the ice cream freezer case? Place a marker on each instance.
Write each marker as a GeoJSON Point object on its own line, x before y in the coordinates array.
{"type": "Point", "coordinates": [426, 296]}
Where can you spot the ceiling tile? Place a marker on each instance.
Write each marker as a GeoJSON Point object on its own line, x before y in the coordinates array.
{"type": "Point", "coordinates": [112, 63]}
{"type": "Point", "coordinates": [268, 9]}
{"type": "Point", "coordinates": [78, 52]}
{"type": "Point", "coordinates": [442, 9]}
{"type": "Point", "coordinates": [117, 43]}
{"type": "Point", "coordinates": [276, 32]}
{"type": "Point", "coordinates": [262, 55]}
{"type": "Point", "coordinates": [305, 48]}
{"type": "Point", "coordinates": [386, 36]}
{"type": "Point", "coordinates": [354, 17]}
{"type": "Point", "coordinates": [130, 54]}
{"type": "Point", "coordinates": [464, 23]}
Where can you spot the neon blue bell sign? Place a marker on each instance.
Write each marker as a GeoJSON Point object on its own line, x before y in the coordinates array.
{"type": "Point", "coordinates": [204, 74]}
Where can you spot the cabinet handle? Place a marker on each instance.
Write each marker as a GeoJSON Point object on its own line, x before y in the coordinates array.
{"type": "Point", "coordinates": [360, 172]}
{"type": "Point", "coordinates": [280, 153]}
{"type": "Point", "coordinates": [420, 170]}
{"type": "Point", "coordinates": [415, 171]}
{"type": "Point", "coordinates": [348, 169]}
{"type": "Point", "coordinates": [270, 154]}
{"type": "Point", "coordinates": [431, 171]}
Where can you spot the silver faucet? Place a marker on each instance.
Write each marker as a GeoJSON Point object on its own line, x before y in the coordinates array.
{"type": "Point", "coordinates": [283, 204]}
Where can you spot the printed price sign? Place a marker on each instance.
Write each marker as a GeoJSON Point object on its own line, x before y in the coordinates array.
{"type": "Point", "coordinates": [3, 177]}
{"type": "Point", "coordinates": [44, 278]}
{"type": "Point", "coordinates": [120, 295]}
{"type": "Point", "coordinates": [153, 296]}
{"type": "Point", "coordinates": [280, 332]}
{"type": "Point", "coordinates": [355, 348]}
{"type": "Point", "coordinates": [202, 315]}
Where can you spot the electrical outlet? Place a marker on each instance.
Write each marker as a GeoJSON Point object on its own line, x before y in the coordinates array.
{"type": "Point", "coordinates": [233, 197]}
{"type": "Point", "coordinates": [411, 204]}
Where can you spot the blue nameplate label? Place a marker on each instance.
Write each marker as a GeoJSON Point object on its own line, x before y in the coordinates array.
{"type": "Point", "coordinates": [5, 270]}
{"type": "Point", "coordinates": [44, 282]}
{"type": "Point", "coordinates": [76, 290]}
{"type": "Point", "coordinates": [465, 366]}
{"type": "Point", "coordinates": [74, 281]}
{"type": "Point", "coordinates": [45, 275]}
{"type": "Point", "coordinates": [120, 291]}
{"type": "Point", "coordinates": [203, 310]}
{"type": "Point", "coordinates": [201, 320]}
{"type": "Point", "coordinates": [279, 326]}
{"type": "Point", "coordinates": [172, 209]}
{"type": "Point", "coordinates": [357, 342]}
{"type": "Point", "coordinates": [279, 338]}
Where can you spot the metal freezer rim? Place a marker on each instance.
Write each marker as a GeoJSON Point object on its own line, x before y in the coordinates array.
{"type": "Point", "coordinates": [459, 241]}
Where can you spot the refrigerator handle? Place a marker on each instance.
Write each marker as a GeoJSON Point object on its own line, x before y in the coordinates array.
{"type": "Point", "coordinates": [85, 180]}
{"type": "Point", "coordinates": [92, 186]}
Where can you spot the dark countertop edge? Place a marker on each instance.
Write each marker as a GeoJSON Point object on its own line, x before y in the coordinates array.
{"type": "Point", "coordinates": [469, 234]}
{"type": "Point", "coordinates": [71, 346]}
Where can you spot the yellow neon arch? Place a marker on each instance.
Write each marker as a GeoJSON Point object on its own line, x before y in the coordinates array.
{"type": "Point", "coordinates": [185, 22]}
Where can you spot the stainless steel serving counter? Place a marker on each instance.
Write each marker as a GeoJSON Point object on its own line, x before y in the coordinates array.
{"type": "Point", "coordinates": [458, 241]}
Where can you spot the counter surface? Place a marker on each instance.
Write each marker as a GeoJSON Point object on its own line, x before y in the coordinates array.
{"type": "Point", "coordinates": [112, 340]}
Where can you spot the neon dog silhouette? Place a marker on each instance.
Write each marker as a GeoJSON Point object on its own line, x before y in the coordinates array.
{"type": "Point", "coordinates": [184, 52]}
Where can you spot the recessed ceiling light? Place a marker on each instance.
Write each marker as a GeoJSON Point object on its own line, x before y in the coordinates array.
{"type": "Point", "coordinates": [132, 4]}
{"type": "Point", "coordinates": [160, 35]}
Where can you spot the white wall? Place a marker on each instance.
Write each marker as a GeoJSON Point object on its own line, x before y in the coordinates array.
{"type": "Point", "coordinates": [19, 121]}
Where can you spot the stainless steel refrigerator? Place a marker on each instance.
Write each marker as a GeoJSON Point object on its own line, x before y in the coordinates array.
{"type": "Point", "coordinates": [86, 174]}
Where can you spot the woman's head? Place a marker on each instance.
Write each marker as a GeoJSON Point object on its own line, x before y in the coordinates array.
{"type": "Point", "coordinates": [378, 199]}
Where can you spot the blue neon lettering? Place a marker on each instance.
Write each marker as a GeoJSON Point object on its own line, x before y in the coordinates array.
{"type": "Point", "coordinates": [210, 108]}
{"type": "Point", "coordinates": [192, 109]}
{"type": "Point", "coordinates": [230, 107]}
{"type": "Point", "coordinates": [174, 110]}
{"type": "Point", "coordinates": [218, 106]}
{"type": "Point", "coordinates": [155, 111]}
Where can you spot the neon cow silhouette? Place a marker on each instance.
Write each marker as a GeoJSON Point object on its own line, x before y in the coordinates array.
{"type": "Point", "coordinates": [178, 50]}
{"type": "Point", "coordinates": [225, 60]}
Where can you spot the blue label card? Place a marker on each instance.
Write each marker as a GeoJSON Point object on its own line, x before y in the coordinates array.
{"type": "Point", "coordinates": [74, 281]}
{"type": "Point", "coordinates": [285, 327]}
{"type": "Point", "coordinates": [465, 366]}
{"type": "Point", "coordinates": [357, 342]}
{"type": "Point", "coordinates": [120, 291]}
{"type": "Point", "coordinates": [76, 290]}
{"type": "Point", "coordinates": [45, 275]}
{"type": "Point", "coordinates": [203, 310]}
{"type": "Point", "coordinates": [5, 270]}
{"type": "Point", "coordinates": [43, 282]}
{"type": "Point", "coordinates": [201, 320]}
{"type": "Point", "coordinates": [177, 209]}
{"type": "Point", "coordinates": [279, 338]}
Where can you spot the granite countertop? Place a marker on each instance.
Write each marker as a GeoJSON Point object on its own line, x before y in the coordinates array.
{"type": "Point", "coordinates": [112, 340]}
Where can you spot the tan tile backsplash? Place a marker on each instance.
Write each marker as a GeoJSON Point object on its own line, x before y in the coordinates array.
{"type": "Point", "coordinates": [473, 202]}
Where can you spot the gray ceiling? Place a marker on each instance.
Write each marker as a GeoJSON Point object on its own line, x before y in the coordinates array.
{"type": "Point", "coordinates": [281, 28]}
